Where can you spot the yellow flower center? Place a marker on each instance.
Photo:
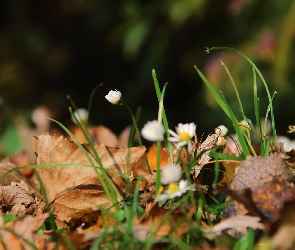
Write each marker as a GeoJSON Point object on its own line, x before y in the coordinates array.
{"type": "Point", "coordinates": [172, 188]}
{"type": "Point", "coordinates": [184, 136]}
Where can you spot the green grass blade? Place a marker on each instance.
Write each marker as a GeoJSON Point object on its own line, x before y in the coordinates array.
{"type": "Point", "coordinates": [133, 130]}
{"type": "Point", "coordinates": [234, 86]}
{"type": "Point", "coordinates": [215, 94]}
{"type": "Point", "coordinates": [245, 150]}
{"type": "Point", "coordinates": [263, 81]}
{"type": "Point", "coordinates": [221, 156]}
{"type": "Point", "coordinates": [165, 121]}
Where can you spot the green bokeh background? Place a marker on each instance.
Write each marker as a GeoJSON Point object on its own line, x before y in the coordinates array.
{"type": "Point", "coordinates": [50, 49]}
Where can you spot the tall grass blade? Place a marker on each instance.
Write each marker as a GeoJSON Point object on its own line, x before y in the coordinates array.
{"type": "Point", "coordinates": [133, 130]}
{"type": "Point", "coordinates": [215, 94]}
{"type": "Point", "coordinates": [263, 81]}
{"type": "Point", "coordinates": [165, 121]}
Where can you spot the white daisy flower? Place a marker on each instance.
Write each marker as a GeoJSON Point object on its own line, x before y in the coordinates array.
{"type": "Point", "coordinates": [153, 131]}
{"type": "Point", "coordinates": [81, 114]}
{"type": "Point", "coordinates": [170, 173]}
{"type": "Point", "coordinates": [114, 97]}
{"type": "Point", "coordinates": [223, 130]}
{"type": "Point", "coordinates": [183, 136]}
{"type": "Point", "coordinates": [175, 190]}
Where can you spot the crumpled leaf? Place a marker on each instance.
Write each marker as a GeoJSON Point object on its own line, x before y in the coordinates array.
{"type": "Point", "coordinates": [16, 200]}
{"type": "Point", "coordinates": [74, 188]}
{"type": "Point", "coordinates": [239, 222]}
{"type": "Point", "coordinates": [16, 176]}
{"type": "Point", "coordinates": [267, 183]}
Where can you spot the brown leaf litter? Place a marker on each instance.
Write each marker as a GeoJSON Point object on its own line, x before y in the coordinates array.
{"type": "Point", "coordinates": [261, 186]}
{"type": "Point", "coordinates": [73, 188]}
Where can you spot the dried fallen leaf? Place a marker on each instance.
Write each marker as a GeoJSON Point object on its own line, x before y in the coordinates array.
{"type": "Point", "coordinates": [73, 188]}
{"type": "Point", "coordinates": [15, 176]}
{"type": "Point", "coordinates": [104, 136]}
{"type": "Point", "coordinates": [269, 182]}
{"type": "Point", "coordinates": [17, 201]}
{"type": "Point", "coordinates": [239, 222]}
{"type": "Point", "coordinates": [25, 227]}
{"type": "Point", "coordinates": [176, 225]}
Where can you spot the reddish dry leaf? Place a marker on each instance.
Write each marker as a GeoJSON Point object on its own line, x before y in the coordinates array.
{"type": "Point", "coordinates": [74, 188]}
{"type": "Point", "coordinates": [141, 167]}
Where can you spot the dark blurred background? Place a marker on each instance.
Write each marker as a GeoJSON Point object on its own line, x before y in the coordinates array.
{"type": "Point", "coordinates": [51, 49]}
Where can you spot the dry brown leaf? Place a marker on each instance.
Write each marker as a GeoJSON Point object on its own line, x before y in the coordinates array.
{"type": "Point", "coordinates": [104, 136]}
{"type": "Point", "coordinates": [25, 227]}
{"type": "Point", "coordinates": [239, 223]}
{"type": "Point", "coordinates": [74, 188]}
{"type": "Point", "coordinates": [16, 200]}
{"type": "Point", "coordinates": [16, 176]}
{"type": "Point", "coordinates": [268, 181]}
{"type": "Point", "coordinates": [176, 225]}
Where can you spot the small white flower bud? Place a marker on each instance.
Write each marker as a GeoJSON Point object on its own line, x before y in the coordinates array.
{"type": "Point", "coordinates": [223, 130]}
{"type": "Point", "coordinates": [114, 97]}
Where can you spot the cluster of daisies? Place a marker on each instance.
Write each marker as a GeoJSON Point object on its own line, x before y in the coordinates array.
{"type": "Point", "coordinates": [154, 131]}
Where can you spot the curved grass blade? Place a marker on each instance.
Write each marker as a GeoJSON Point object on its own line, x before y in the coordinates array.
{"type": "Point", "coordinates": [263, 81]}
